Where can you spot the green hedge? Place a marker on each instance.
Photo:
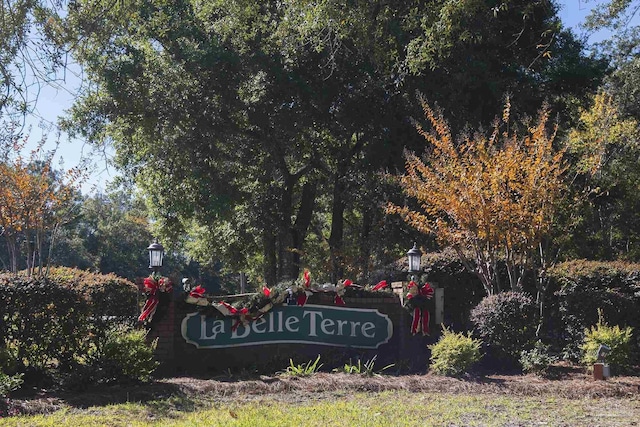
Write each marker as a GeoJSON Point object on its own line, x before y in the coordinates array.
{"type": "Point", "coordinates": [107, 294]}
{"type": "Point", "coordinates": [47, 324]}
{"type": "Point", "coordinates": [580, 288]}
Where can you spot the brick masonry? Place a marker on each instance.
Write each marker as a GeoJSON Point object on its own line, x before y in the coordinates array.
{"type": "Point", "coordinates": [177, 357]}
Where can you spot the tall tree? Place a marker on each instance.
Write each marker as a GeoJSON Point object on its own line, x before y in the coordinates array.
{"type": "Point", "coordinates": [490, 197]}
{"type": "Point", "coordinates": [605, 148]}
{"type": "Point", "coordinates": [252, 123]}
{"type": "Point", "coordinates": [115, 231]}
{"type": "Point", "coordinates": [620, 17]}
{"type": "Point", "coordinates": [34, 202]}
{"type": "Point", "coordinates": [30, 53]}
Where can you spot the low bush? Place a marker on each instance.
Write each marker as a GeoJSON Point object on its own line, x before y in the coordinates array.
{"type": "Point", "coordinates": [584, 287]}
{"type": "Point", "coordinates": [46, 324]}
{"type": "Point", "coordinates": [107, 294]}
{"type": "Point", "coordinates": [124, 355]}
{"type": "Point", "coordinates": [538, 359]}
{"type": "Point", "coordinates": [507, 323]}
{"type": "Point", "coordinates": [454, 353]}
{"type": "Point", "coordinates": [616, 338]}
{"type": "Point", "coordinates": [50, 323]}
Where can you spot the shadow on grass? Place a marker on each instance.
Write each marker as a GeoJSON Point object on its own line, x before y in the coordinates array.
{"type": "Point", "coordinates": [159, 397]}
{"type": "Point", "coordinates": [108, 395]}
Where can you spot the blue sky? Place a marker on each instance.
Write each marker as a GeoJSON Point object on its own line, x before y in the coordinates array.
{"type": "Point", "coordinates": [53, 101]}
{"type": "Point", "coordinates": [573, 12]}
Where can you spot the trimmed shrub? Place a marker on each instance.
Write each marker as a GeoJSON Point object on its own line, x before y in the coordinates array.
{"type": "Point", "coordinates": [49, 323]}
{"type": "Point", "coordinates": [106, 294]}
{"type": "Point", "coordinates": [507, 323]}
{"type": "Point", "coordinates": [44, 323]}
{"type": "Point", "coordinates": [616, 338]}
{"type": "Point", "coordinates": [538, 359]}
{"type": "Point", "coordinates": [124, 355]}
{"type": "Point", "coordinates": [584, 287]}
{"type": "Point", "coordinates": [454, 353]}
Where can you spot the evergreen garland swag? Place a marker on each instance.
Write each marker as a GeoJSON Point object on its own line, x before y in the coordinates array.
{"type": "Point", "coordinates": [292, 292]}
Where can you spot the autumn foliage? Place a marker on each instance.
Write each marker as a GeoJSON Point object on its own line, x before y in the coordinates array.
{"type": "Point", "coordinates": [490, 197]}
{"type": "Point", "coordinates": [33, 199]}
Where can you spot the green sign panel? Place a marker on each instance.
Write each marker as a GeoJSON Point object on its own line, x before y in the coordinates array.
{"type": "Point", "coordinates": [308, 324]}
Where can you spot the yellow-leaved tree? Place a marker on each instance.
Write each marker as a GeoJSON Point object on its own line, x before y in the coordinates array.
{"type": "Point", "coordinates": [490, 196]}
{"type": "Point", "coordinates": [602, 136]}
{"type": "Point", "coordinates": [34, 201]}
{"type": "Point", "coordinates": [605, 148]}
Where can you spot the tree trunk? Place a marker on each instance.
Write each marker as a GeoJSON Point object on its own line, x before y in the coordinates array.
{"type": "Point", "coordinates": [270, 261]}
{"type": "Point", "coordinates": [285, 239]}
{"type": "Point", "coordinates": [365, 242]}
{"type": "Point", "coordinates": [27, 242]}
{"type": "Point", "coordinates": [301, 226]}
{"type": "Point", "coordinates": [337, 230]}
{"type": "Point", "coordinates": [13, 256]}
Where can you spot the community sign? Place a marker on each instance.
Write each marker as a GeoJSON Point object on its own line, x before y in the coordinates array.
{"type": "Point", "coordinates": [308, 324]}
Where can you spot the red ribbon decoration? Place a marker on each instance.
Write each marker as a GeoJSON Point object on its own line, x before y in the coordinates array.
{"type": "Point", "coordinates": [337, 300]}
{"type": "Point", "coordinates": [149, 309]}
{"type": "Point", "coordinates": [197, 292]}
{"type": "Point", "coordinates": [421, 315]}
{"type": "Point", "coordinates": [307, 278]}
{"type": "Point", "coordinates": [302, 298]}
{"type": "Point", "coordinates": [243, 319]}
{"type": "Point", "coordinates": [427, 291]}
{"type": "Point", "coordinates": [381, 285]}
{"type": "Point", "coordinates": [232, 309]}
{"type": "Point", "coordinates": [420, 321]}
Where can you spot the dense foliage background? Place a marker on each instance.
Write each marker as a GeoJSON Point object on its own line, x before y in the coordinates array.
{"type": "Point", "coordinates": [259, 134]}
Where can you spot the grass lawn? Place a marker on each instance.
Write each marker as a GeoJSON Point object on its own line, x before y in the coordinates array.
{"type": "Point", "coordinates": [347, 400]}
{"type": "Point", "coordinates": [392, 408]}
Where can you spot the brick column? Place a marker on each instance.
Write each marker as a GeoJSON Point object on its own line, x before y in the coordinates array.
{"type": "Point", "coordinates": [163, 329]}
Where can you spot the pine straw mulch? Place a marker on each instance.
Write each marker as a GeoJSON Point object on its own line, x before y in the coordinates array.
{"type": "Point", "coordinates": [566, 382]}
{"type": "Point", "coordinates": [522, 385]}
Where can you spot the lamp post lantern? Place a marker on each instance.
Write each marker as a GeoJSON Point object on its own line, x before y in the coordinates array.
{"type": "Point", "coordinates": [414, 255]}
{"type": "Point", "coordinates": [156, 253]}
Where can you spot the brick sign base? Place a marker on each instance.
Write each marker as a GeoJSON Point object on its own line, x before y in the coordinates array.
{"type": "Point", "coordinates": [179, 356]}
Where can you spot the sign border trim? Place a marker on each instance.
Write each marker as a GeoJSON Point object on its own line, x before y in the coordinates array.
{"type": "Point", "coordinates": [183, 330]}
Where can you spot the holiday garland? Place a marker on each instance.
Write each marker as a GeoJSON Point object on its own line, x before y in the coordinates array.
{"type": "Point", "coordinates": [292, 293]}
{"type": "Point", "coordinates": [298, 292]}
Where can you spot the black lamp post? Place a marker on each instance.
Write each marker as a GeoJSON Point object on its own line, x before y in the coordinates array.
{"type": "Point", "coordinates": [156, 253]}
{"type": "Point", "coordinates": [414, 255]}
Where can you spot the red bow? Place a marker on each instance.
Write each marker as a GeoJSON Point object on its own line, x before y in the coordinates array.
{"type": "Point", "coordinates": [149, 309]}
{"type": "Point", "coordinates": [302, 298]}
{"type": "Point", "coordinates": [338, 298]}
{"type": "Point", "coordinates": [380, 285]}
{"type": "Point", "coordinates": [421, 315]}
{"type": "Point", "coordinates": [307, 278]}
{"type": "Point", "coordinates": [197, 292]}
{"type": "Point", "coordinates": [420, 321]}
{"type": "Point", "coordinates": [427, 290]}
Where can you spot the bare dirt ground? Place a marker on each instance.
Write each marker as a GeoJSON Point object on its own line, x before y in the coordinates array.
{"type": "Point", "coordinates": [564, 381]}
